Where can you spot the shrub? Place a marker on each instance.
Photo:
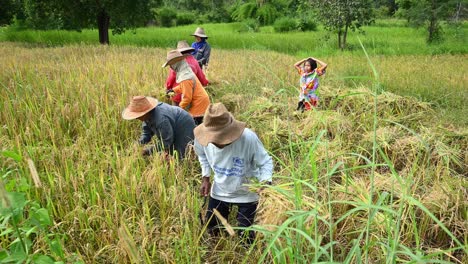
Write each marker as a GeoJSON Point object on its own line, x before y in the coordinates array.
{"type": "Point", "coordinates": [185, 18]}
{"type": "Point", "coordinates": [267, 14]}
{"type": "Point", "coordinates": [306, 24]}
{"type": "Point", "coordinates": [166, 16]}
{"type": "Point", "coordinates": [248, 25]}
{"type": "Point", "coordinates": [285, 24]}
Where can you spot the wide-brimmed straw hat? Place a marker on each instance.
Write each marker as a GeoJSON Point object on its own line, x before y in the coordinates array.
{"type": "Point", "coordinates": [174, 56]}
{"type": "Point", "coordinates": [139, 106]}
{"type": "Point", "coordinates": [200, 32]}
{"type": "Point", "coordinates": [183, 46]}
{"type": "Point", "coordinates": [219, 126]}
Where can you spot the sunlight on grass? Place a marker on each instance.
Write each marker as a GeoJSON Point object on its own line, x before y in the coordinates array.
{"type": "Point", "coordinates": [366, 176]}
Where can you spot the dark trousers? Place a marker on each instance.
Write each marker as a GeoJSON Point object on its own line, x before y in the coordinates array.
{"type": "Point", "coordinates": [245, 217]}
{"type": "Point", "coordinates": [198, 120]}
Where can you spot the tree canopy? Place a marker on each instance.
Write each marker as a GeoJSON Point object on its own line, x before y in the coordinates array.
{"type": "Point", "coordinates": [430, 13]}
{"type": "Point", "coordinates": [117, 15]}
{"type": "Point", "coordinates": [342, 16]}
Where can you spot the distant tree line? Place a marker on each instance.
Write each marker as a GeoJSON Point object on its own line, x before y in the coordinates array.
{"type": "Point", "coordinates": [337, 16]}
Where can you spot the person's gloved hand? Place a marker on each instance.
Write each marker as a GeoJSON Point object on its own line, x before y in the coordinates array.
{"type": "Point", "coordinates": [170, 93]}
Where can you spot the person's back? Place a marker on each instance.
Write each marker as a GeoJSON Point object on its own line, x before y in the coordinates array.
{"type": "Point", "coordinates": [173, 126]}
{"type": "Point", "coordinates": [195, 99]}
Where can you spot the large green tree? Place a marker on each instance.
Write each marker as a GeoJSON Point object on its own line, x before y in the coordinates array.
{"type": "Point", "coordinates": [103, 14]}
{"type": "Point", "coordinates": [430, 13]}
{"type": "Point", "coordinates": [341, 16]}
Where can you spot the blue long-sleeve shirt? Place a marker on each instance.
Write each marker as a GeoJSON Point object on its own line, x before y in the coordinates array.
{"type": "Point", "coordinates": [172, 125]}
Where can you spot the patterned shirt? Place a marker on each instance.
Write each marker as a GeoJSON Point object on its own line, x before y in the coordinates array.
{"type": "Point", "coordinates": [309, 83]}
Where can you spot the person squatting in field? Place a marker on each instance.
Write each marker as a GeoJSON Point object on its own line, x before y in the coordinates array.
{"type": "Point", "coordinates": [202, 50]}
{"type": "Point", "coordinates": [195, 99]}
{"type": "Point", "coordinates": [172, 125]}
{"type": "Point", "coordinates": [236, 155]}
{"type": "Point", "coordinates": [309, 82]}
{"type": "Point", "coordinates": [171, 82]}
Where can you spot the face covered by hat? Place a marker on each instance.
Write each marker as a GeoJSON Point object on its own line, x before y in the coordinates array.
{"type": "Point", "coordinates": [177, 62]}
{"type": "Point", "coordinates": [219, 126]}
{"type": "Point", "coordinates": [138, 107]}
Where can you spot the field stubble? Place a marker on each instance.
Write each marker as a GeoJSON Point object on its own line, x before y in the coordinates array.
{"type": "Point", "coordinates": [333, 199]}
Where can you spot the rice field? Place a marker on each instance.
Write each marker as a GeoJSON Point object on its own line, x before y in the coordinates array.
{"type": "Point", "coordinates": [369, 177]}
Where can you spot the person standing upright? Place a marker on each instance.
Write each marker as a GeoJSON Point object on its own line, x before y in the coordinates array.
{"type": "Point", "coordinates": [202, 50]}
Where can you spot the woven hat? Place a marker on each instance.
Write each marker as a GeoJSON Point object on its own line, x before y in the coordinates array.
{"type": "Point", "coordinates": [183, 46]}
{"type": "Point", "coordinates": [199, 32]}
{"type": "Point", "coordinates": [174, 56]}
{"type": "Point", "coordinates": [219, 126]}
{"type": "Point", "coordinates": [139, 106]}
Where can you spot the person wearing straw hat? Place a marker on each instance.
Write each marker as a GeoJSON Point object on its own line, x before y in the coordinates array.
{"type": "Point", "coordinates": [171, 82]}
{"type": "Point", "coordinates": [172, 125]}
{"type": "Point", "coordinates": [236, 155]}
{"type": "Point", "coordinates": [202, 50]}
{"type": "Point", "coordinates": [195, 99]}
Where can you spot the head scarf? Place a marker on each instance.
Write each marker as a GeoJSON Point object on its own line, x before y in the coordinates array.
{"type": "Point", "coordinates": [183, 71]}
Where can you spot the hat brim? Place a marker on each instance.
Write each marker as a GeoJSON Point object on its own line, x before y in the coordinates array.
{"type": "Point", "coordinates": [199, 35]}
{"type": "Point", "coordinates": [174, 60]}
{"type": "Point", "coordinates": [130, 115]}
{"type": "Point", "coordinates": [205, 135]}
{"type": "Point", "coordinates": [186, 49]}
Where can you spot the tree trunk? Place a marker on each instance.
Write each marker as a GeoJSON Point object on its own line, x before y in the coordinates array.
{"type": "Point", "coordinates": [433, 24]}
{"type": "Point", "coordinates": [345, 34]}
{"type": "Point", "coordinates": [103, 20]}
{"type": "Point", "coordinates": [339, 38]}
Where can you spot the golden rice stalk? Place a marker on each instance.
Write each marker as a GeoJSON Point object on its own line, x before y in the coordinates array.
{"type": "Point", "coordinates": [129, 245]}
{"type": "Point", "coordinates": [223, 220]}
{"type": "Point", "coordinates": [3, 195]}
{"type": "Point", "coordinates": [34, 174]}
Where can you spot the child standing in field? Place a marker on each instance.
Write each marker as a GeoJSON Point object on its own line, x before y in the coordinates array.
{"type": "Point", "coordinates": [309, 82]}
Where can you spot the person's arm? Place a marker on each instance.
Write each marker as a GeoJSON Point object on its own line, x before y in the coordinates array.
{"type": "Point", "coordinates": [206, 55]}
{"type": "Point", "coordinates": [298, 64]}
{"type": "Point", "coordinates": [206, 169]}
{"type": "Point", "coordinates": [201, 76]}
{"type": "Point", "coordinates": [261, 159]}
{"type": "Point", "coordinates": [146, 134]}
{"type": "Point", "coordinates": [186, 90]}
{"type": "Point", "coordinates": [323, 65]}
{"type": "Point", "coordinates": [171, 79]}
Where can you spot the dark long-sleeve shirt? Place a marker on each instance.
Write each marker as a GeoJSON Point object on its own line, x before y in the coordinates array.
{"type": "Point", "coordinates": [172, 125]}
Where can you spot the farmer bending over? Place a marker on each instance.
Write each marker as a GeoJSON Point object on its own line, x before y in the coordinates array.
{"type": "Point", "coordinates": [184, 48]}
{"type": "Point", "coordinates": [194, 100]}
{"type": "Point", "coordinates": [236, 155]}
{"type": "Point", "coordinates": [171, 124]}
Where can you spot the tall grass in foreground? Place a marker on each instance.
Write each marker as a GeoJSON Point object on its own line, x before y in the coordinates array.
{"type": "Point", "coordinates": [61, 108]}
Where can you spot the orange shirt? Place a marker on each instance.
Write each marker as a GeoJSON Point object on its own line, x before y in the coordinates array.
{"type": "Point", "coordinates": [194, 100]}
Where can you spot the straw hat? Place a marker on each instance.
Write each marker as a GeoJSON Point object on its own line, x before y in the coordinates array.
{"type": "Point", "coordinates": [219, 126]}
{"type": "Point", "coordinates": [174, 56]}
{"type": "Point", "coordinates": [183, 46]}
{"type": "Point", "coordinates": [139, 106]}
{"type": "Point", "coordinates": [199, 32]}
